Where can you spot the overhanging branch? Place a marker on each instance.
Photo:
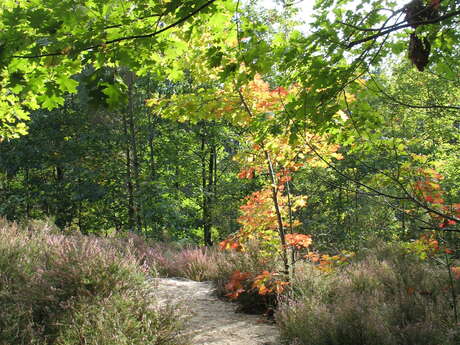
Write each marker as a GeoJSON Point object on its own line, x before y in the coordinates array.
{"type": "Point", "coordinates": [125, 38]}
{"type": "Point", "coordinates": [402, 26]}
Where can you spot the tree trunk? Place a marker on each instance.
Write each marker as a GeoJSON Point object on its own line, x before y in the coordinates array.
{"type": "Point", "coordinates": [151, 145]}
{"type": "Point", "coordinates": [28, 194]}
{"type": "Point", "coordinates": [206, 212]}
{"type": "Point", "coordinates": [62, 218]}
{"type": "Point", "coordinates": [279, 218]}
{"type": "Point", "coordinates": [129, 182]}
{"type": "Point", "coordinates": [134, 152]}
{"type": "Point", "coordinates": [291, 231]}
{"type": "Point", "coordinates": [210, 192]}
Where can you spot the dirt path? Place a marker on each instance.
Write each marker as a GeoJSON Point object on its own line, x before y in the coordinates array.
{"type": "Point", "coordinates": [212, 321]}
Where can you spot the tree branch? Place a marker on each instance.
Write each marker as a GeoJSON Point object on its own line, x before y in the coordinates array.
{"type": "Point", "coordinates": [402, 26]}
{"type": "Point", "coordinates": [114, 26]}
{"type": "Point", "coordinates": [126, 38]}
{"type": "Point", "coordinates": [359, 183]}
{"type": "Point", "coordinates": [413, 106]}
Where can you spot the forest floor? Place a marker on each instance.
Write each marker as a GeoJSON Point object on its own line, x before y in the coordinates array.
{"type": "Point", "coordinates": [211, 321]}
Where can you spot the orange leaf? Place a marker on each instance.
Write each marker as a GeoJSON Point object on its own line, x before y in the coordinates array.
{"type": "Point", "coordinates": [429, 198]}
{"type": "Point", "coordinates": [263, 290]}
{"type": "Point", "coordinates": [235, 294]}
{"type": "Point", "coordinates": [223, 244]}
{"type": "Point", "coordinates": [313, 257]}
{"type": "Point", "coordinates": [298, 240]}
{"type": "Point", "coordinates": [456, 272]}
{"type": "Point", "coordinates": [280, 286]}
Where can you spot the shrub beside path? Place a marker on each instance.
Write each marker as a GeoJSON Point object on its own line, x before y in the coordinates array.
{"type": "Point", "coordinates": [211, 321]}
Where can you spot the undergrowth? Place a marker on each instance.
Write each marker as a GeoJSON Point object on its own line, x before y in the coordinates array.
{"type": "Point", "coordinates": [57, 290]}
{"type": "Point", "coordinates": [187, 262]}
{"type": "Point", "coordinates": [386, 296]}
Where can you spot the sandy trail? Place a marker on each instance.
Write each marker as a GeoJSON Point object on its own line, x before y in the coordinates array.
{"type": "Point", "coordinates": [212, 321]}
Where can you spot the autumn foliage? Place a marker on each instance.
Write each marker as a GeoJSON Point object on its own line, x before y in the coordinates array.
{"type": "Point", "coordinates": [429, 191]}
{"type": "Point", "coordinates": [268, 215]}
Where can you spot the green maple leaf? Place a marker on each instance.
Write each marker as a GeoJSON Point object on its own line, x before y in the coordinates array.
{"type": "Point", "coordinates": [115, 95]}
{"type": "Point", "coordinates": [50, 101]}
{"type": "Point", "coordinates": [67, 84]}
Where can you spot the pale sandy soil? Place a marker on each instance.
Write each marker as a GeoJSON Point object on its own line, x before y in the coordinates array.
{"type": "Point", "coordinates": [211, 321]}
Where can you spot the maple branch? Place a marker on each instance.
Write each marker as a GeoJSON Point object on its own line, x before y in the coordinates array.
{"type": "Point", "coordinates": [401, 26]}
{"type": "Point", "coordinates": [360, 28]}
{"type": "Point", "coordinates": [408, 196]}
{"type": "Point", "coordinates": [423, 205]}
{"type": "Point", "coordinates": [114, 26]}
{"type": "Point", "coordinates": [246, 107]}
{"type": "Point", "coordinates": [429, 226]}
{"type": "Point", "coordinates": [125, 38]}
{"type": "Point", "coordinates": [279, 218]}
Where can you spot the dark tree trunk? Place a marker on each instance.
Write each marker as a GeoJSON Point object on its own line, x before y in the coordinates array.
{"type": "Point", "coordinates": [129, 182]}
{"type": "Point", "coordinates": [134, 153]}
{"type": "Point", "coordinates": [206, 179]}
{"type": "Point", "coordinates": [62, 208]}
{"type": "Point", "coordinates": [151, 146]}
{"type": "Point", "coordinates": [28, 194]}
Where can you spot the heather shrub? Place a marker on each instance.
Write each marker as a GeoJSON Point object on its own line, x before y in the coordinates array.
{"type": "Point", "coordinates": [121, 321]}
{"type": "Point", "coordinates": [385, 296]}
{"type": "Point", "coordinates": [57, 289]}
{"type": "Point", "coordinates": [193, 263]}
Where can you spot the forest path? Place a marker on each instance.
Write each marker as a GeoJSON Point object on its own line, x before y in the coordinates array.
{"type": "Point", "coordinates": [212, 321]}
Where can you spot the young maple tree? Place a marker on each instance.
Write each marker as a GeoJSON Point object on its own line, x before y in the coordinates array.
{"type": "Point", "coordinates": [267, 216]}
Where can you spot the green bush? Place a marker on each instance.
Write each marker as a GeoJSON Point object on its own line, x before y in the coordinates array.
{"type": "Point", "coordinates": [57, 289]}
{"type": "Point", "coordinates": [386, 296]}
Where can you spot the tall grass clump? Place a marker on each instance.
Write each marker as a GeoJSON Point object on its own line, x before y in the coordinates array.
{"type": "Point", "coordinates": [386, 296]}
{"type": "Point", "coordinates": [66, 290]}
